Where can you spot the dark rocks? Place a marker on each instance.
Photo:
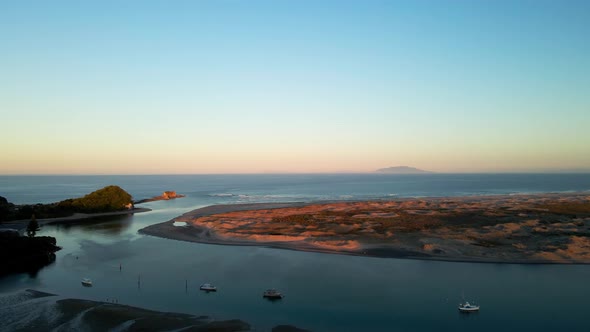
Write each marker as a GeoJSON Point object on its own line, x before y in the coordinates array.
{"type": "Point", "coordinates": [167, 195]}
{"type": "Point", "coordinates": [26, 254]}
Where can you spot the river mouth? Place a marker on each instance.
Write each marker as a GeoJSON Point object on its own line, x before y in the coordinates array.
{"type": "Point", "coordinates": [323, 292]}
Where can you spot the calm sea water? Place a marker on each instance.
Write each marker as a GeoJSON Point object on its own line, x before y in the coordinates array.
{"type": "Point", "coordinates": [323, 292]}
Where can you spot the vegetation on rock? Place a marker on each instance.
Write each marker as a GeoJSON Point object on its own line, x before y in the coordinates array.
{"type": "Point", "coordinates": [26, 254]}
{"type": "Point", "coordinates": [32, 227]}
{"type": "Point", "coordinates": [107, 199]}
{"type": "Point", "coordinates": [110, 198]}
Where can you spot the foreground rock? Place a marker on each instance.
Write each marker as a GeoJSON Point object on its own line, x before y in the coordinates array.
{"type": "Point", "coordinates": [545, 228]}
{"type": "Point", "coordinates": [20, 254]}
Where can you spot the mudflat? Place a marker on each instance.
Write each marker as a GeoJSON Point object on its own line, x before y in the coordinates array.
{"type": "Point", "coordinates": [31, 310]}
{"type": "Point", "coordinates": [539, 228]}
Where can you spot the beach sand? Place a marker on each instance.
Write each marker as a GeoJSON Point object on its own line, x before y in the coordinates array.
{"type": "Point", "coordinates": [543, 228]}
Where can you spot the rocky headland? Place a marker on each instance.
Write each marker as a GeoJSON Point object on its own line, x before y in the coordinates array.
{"type": "Point", "coordinates": [110, 199]}
{"type": "Point", "coordinates": [543, 228]}
{"type": "Point", "coordinates": [167, 195]}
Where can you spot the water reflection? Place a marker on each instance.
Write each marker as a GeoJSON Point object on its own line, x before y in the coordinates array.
{"type": "Point", "coordinates": [107, 225]}
{"type": "Point", "coordinates": [41, 262]}
{"type": "Point", "coordinates": [356, 293]}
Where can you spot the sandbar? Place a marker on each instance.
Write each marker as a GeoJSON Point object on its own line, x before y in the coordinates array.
{"type": "Point", "coordinates": [532, 228]}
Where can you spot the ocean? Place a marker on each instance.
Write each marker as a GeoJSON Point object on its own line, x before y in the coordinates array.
{"type": "Point", "coordinates": [324, 292]}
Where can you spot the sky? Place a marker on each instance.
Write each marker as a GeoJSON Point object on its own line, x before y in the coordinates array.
{"type": "Point", "coordinates": [229, 86]}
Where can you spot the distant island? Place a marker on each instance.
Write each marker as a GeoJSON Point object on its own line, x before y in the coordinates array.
{"type": "Point", "coordinates": [541, 228]}
{"type": "Point", "coordinates": [402, 170]}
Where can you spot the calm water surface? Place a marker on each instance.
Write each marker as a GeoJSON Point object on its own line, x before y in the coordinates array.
{"type": "Point", "coordinates": [323, 292]}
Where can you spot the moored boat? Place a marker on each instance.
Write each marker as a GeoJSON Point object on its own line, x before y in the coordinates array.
{"type": "Point", "coordinates": [468, 307]}
{"type": "Point", "coordinates": [272, 294]}
{"type": "Point", "coordinates": [208, 288]}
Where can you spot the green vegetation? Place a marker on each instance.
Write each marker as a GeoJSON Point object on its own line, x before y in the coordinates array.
{"type": "Point", "coordinates": [111, 198]}
{"type": "Point", "coordinates": [32, 227]}
{"type": "Point", "coordinates": [5, 209]}
{"type": "Point", "coordinates": [107, 199]}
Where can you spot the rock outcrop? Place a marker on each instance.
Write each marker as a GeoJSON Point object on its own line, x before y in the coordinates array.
{"type": "Point", "coordinates": [167, 195]}
{"type": "Point", "coordinates": [20, 254]}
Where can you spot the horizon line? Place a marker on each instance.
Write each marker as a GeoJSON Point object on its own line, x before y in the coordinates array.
{"type": "Point", "coordinates": [426, 173]}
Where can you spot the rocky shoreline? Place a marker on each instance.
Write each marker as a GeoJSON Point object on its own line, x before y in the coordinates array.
{"type": "Point", "coordinates": [167, 195]}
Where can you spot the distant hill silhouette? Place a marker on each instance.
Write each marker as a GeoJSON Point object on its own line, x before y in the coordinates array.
{"type": "Point", "coordinates": [402, 170]}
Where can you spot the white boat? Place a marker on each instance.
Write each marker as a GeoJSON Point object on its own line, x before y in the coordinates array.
{"type": "Point", "coordinates": [272, 294]}
{"type": "Point", "coordinates": [468, 307]}
{"type": "Point", "coordinates": [208, 288]}
{"type": "Point", "coordinates": [86, 282]}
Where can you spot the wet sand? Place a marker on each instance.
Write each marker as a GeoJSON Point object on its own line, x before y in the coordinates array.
{"type": "Point", "coordinates": [31, 310]}
{"type": "Point", "coordinates": [542, 228]}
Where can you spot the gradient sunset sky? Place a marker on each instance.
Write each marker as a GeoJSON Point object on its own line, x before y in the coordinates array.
{"type": "Point", "coordinates": [145, 87]}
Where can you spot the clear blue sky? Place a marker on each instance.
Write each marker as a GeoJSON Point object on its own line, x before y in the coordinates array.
{"type": "Point", "coordinates": [293, 86]}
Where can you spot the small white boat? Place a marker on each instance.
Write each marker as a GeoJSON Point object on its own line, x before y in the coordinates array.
{"type": "Point", "coordinates": [468, 307]}
{"type": "Point", "coordinates": [86, 282]}
{"type": "Point", "coordinates": [272, 294]}
{"type": "Point", "coordinates": [208, 288]}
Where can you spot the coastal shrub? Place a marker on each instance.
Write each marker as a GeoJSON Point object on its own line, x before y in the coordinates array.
{"type": "Point", "coordinates": [32, 227]}
{"type": "Point", "coordinates": [344, 214]}
{"type": "Point", "coordinates": [5, 209]}
{"type": "Point", "coordinates": [304, 219]}
{"type": "Point", "coordinates": [568, 208]}
{"type": "Point", "coordinates": [110, 198]}
{"type": "Point", "coordinates": [405, 224]}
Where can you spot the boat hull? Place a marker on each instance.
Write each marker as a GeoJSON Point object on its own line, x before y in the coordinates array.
{"type": "Point", "coordinates": [272, 296]}
{"type": "Point", "coordinates": [469, 309]}
{"type": "Point", "coordinates": [208, 288]}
